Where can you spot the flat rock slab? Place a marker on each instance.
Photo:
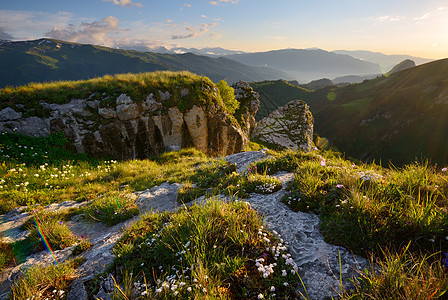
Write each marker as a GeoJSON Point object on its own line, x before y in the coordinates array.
{"type": "Point", "coordinates": [10, 224]}
{"type": "Point", "coordinates": [159, 198]}
{"type": "Point", "coordinates": [244, 159]}
{"type": "Point", "coordinates": [318, 261]}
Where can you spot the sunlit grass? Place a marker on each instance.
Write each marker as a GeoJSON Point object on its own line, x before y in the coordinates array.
{"type": "Point", "coordinates": [45, 282]}
{"type": "Point", "coordinates": [204, 252]}
{"type": "Point", "coordinates": [399, 216]}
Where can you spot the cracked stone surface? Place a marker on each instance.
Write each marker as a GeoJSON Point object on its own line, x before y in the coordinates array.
{"type": "Point", "coordinates": [317, 260]}
{"type": "Point", "coordinates": [243, 159]}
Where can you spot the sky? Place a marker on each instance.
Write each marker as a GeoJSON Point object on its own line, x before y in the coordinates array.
{"type": "Point", "coordinates": [412, 27]}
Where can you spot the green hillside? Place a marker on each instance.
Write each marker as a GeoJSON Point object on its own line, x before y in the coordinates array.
{"type": "Point", "coordinates": [399, 117]}
{"type": "Point", "coordinates": [47, 60]}
{"type": "Point", "coordinates": [277, 93]}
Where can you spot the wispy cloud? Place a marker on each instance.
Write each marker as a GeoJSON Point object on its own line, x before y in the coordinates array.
{"type": "Point", "coordinates": [223, 1]}
{"type": "Point", "coordinates": [194, 32]}
{"type": "Point", "coordinates": [204, 16]}
{"type": "Point", "coordinates": [97, 32]}
{"type": "Point", "coordinates": [24, 25]}
{"type": "Point", "coordinates": [387, 18]}
{"type": "Point", "coordinates": [124, 3]}
{"type": "Point", "coordinates": [186, 5]}
{"type": "Point", "coordinates": [423, 17]}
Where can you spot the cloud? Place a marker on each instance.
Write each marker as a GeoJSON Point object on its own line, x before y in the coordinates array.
{"type": "Point", "coordinates": [25, 25]}
{"type": "Point", "coordinates": [193, 32]}
{"type": "Point", "coordinates": [169, 21]}
{"type": "Point", "coordinates": [204, 16]}
{"type": "Point", "coordinates": [223, 1]}
{"type": "Point", "coordinates": [423, 17]}
{"type": "Point", "coordinates": [4, 35]}
{"type": "Point", "coordinates": [97, 32]}
{"type": "Point", "coordinates": [186, 5]}
{"type": "Point", "coordinates": [124, 3]}
{"type": "Point", "coordinates": [387, 18]}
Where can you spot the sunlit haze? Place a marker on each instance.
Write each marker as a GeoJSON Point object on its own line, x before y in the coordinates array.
{"type": "Point", "coordinates": [412, 27]}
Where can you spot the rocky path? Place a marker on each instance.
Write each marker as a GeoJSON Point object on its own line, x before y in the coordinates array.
{"type": "Point", "coordinates": [318, 261]}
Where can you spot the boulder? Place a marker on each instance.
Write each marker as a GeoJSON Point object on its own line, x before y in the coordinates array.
{"type": "Point", "coordinates": [8, 114]}
{"type": "Point", "coordinates": [288, 127]}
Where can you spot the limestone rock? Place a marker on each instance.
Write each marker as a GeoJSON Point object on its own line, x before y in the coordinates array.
{"type": "Point", "coordinates": [107, 113]}
{"type": "Point", "coordinates": [9, 114]}
{"type": "Point", "coordinates": [196, 121]}
{"type": "Point", "coordinates": [77, 291]}
{"type": "Point", "coordinates": [290, 127]}
{"type": "Point", "coordinates": [161, 198]}
{"type": "Point", "coordinates": [126, 108]}
{"type": "Point", "coordinates": [130, 129]}
{"type": "Point", "coordinates": [249, 104]}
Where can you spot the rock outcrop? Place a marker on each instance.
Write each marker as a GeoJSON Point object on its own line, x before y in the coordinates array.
{"type": "Point", "coordinates": [126, 129]}
{"type": "Point", "coordinates": [288, 127]}
{"type": "Point", "coordinates": [249, 105]}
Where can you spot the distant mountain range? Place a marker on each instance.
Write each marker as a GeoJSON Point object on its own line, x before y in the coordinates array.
{"type": "Point", "coordinates": [306, 65]}
{"type": "Point", "coordinates": [386, 62]}
{"type": "Point", "coordinates": [47, 59]}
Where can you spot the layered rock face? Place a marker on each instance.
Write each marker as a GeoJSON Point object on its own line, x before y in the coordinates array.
{"type": "Point", "coordinates": [288, 127]}
{"type": "Point", "coordinates": [249, 105]}
{"type": "Point", "coordinates": [128, 129]}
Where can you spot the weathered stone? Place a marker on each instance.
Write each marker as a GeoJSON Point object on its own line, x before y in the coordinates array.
{"type": "Point", "coordinates": [9, 114]}
{"type": "Point", "coordinates": [289, 126]}
{"type": "Point", "coordinates": [77, 291]}
{"type": "Point", "coordinates": [32, 126]}
{"type": "Point", "coordinates": [126, 108]}
{"type": "Point", "coordinates": [138, 130]}
{"type": "Point", "coordinates": [249, 104]}
{"type": "Point", "coordinates": [196, 121]}
{"type": "Point", "coordinates": [244, 159]}
{"type": "Point", "coordinates": [171, 127]}
{"type": "Point", "coordinates": [164, 95]}
{"type": "Point", "coordinates": [151, 104]}
{"type": "Point", "coordinates": [107, 113]}
{"type": "Point", "coordinates": [184, 92]}
{"type": "Point", "coordinates": [159, 198]}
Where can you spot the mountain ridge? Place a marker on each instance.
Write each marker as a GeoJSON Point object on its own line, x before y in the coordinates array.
{"type": "Point", "coordinates": [48, 59]}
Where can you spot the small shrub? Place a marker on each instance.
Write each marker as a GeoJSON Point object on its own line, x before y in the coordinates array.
{"type": "Point", "coordinates": [227, 94]}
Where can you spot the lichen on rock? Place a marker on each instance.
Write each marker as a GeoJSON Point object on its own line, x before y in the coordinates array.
{"type": "Point", "coordinates": [288, 127]}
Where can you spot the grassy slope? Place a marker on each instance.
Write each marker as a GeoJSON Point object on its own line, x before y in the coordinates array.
{"type": "Point", "coordinates": [39, 61]}
{"type": "Point", "coordinates": [403, 119]}
{"type": "Point", "coordinates": [277, 93]}
{"type": "Point", "coordinates": [366, 208]}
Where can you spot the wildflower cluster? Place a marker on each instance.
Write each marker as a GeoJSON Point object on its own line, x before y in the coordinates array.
{"type": "Point", "coordinates": [368, 176]}
{"type": "Point", "coordinates": [275, 264]}
{"type": "Point", "coordinates": [290, 197]}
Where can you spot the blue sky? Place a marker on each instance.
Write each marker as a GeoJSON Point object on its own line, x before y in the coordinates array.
{"type": "Point", "coordinates": [412, 27]}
